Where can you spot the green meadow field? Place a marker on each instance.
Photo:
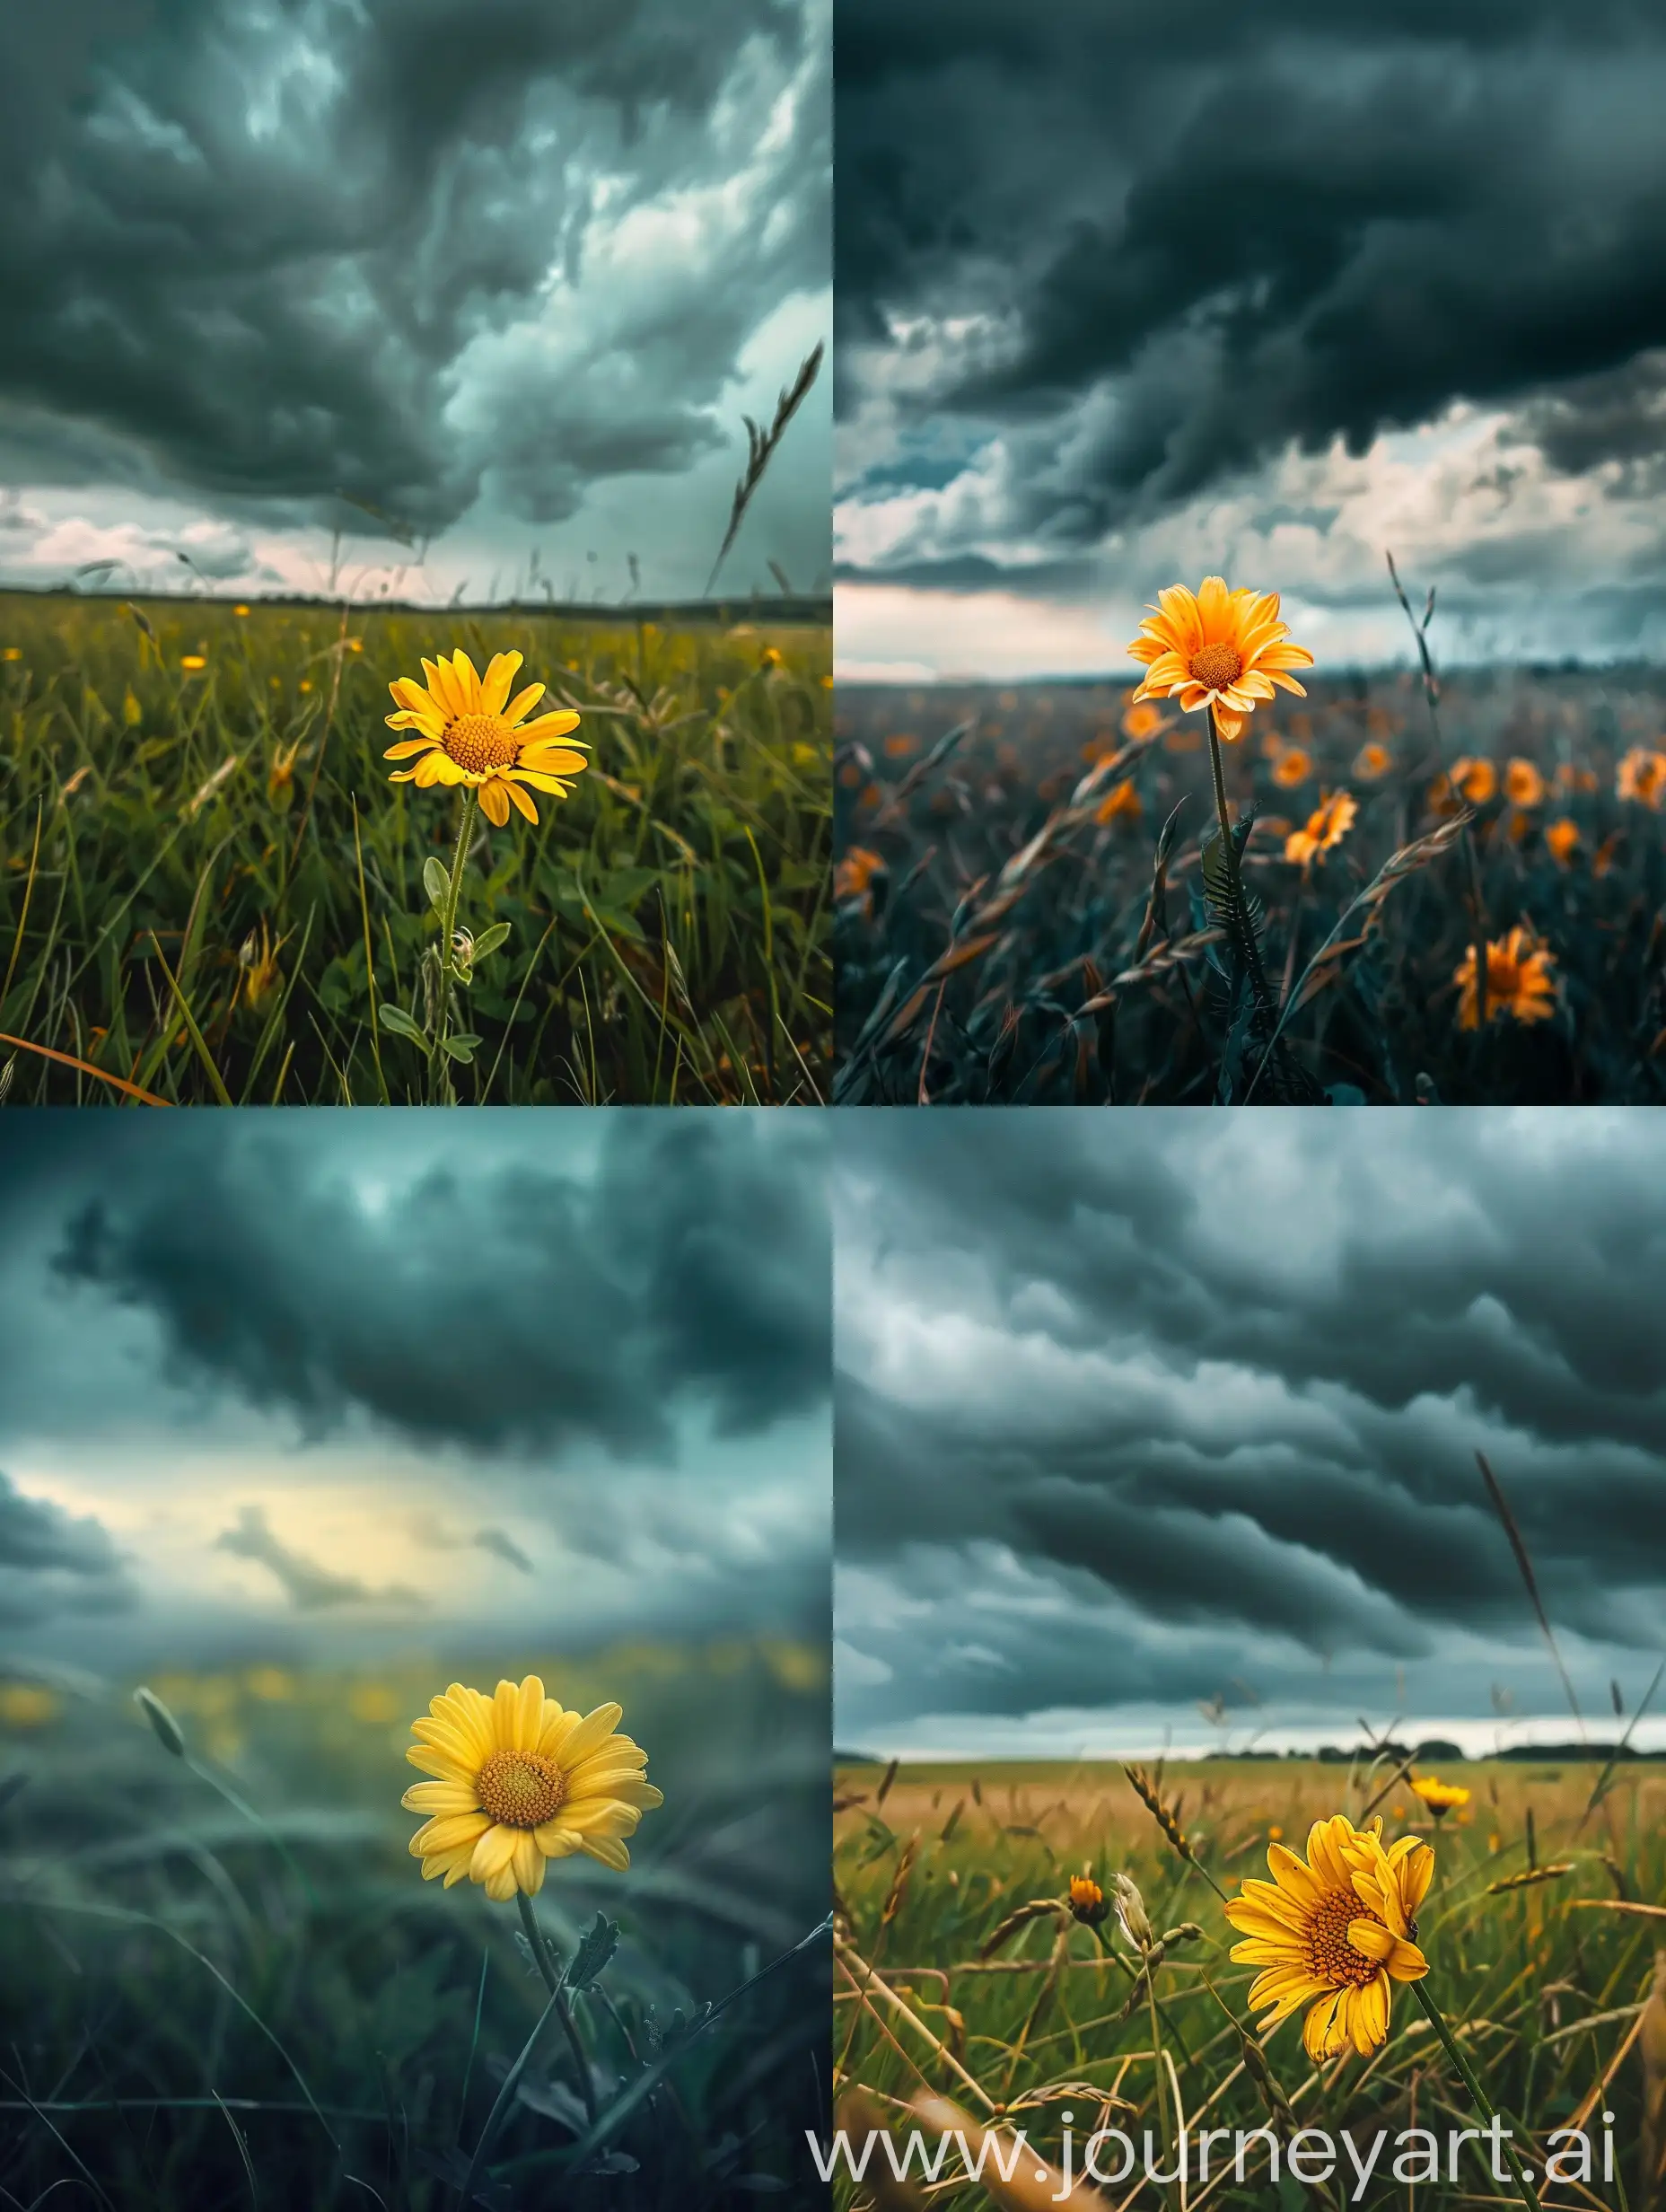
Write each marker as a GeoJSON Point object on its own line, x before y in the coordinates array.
{"type": "Point", "coordinates": [257, 2001]}
{"type": "Point", "coordinates": [1554, 1985]}
{"type": "Point", "coordinates": [208, 887]}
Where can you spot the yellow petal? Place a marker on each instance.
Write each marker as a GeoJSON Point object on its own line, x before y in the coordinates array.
{"type": "Point", "coordinates": [499, 676]}
{"type": "Point", "coordinates": [439, 679]}
{"type": "Point", "coordinates": [528, 1715]}
{"type": "Point", "coordinates": [517, 797]}
{"type": "Point", "coordinates": [588, 1734]}
{"type": "Point", "coordinates": [408, 746]}
{"type": "Point", "coordinates": [1319, 2036]}
{"type": "Point", "coordinates": [600, 1816]}
{"type": "Point", "coordinates": [440, 1797]}
{"type": "Point", "coordinates": [618, 1757]}
{"type": "Point", "coordinates": [494, 806]}
{"type": "Point", "coordinates": [494, 1852]}
{"type": "Point", "coordinates": [466, 680]}
{"type": "Point", "coordinates": [528, 1864]}
{"type": "Point", "coordinates": [1371, 1939]}
{"type": "Point", "coordinates": [553, 759]}
{"type": "Point", "coordinates": [450, 1832]}
{"type": "Point", "coordinates": [609, 1850]}
{"type": "Point", "coordinates": [452, 1865]}
{"type": "Point", "coordinates": [524, 703]}
{"type": "Point", "coordinates": [551, 725]}
{"type": "Point", "coordinates": [556, 1839]}
{"type": "Point", "coordinates": [445, 1765]}
{"type": "Point", "coordinates": [552, 1730]}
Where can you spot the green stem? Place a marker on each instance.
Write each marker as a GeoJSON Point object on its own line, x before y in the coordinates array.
{"type": "Point", "coordinates": [448, 925]}
{"type": "Point", "coordinates": [1156, 2052]}
{"type": "Point", "coordinates": [552, 1975]}
{"type": "Point", "coordinates": [1220, 790]}
{"type": "Point", "coordinates": [1471, 2082]}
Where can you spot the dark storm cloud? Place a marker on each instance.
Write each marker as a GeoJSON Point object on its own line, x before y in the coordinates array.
{"type": "Point", "coordinates": [512, 1307]}
{"type": "Point", "coordinates": [1250, 226]}
{"type": "Point", "coordinates": [1204, 1382]}
{"type": "Point", "coordinates": [52, 1561]}
{"type": "Point", "coordinates": [245, 249]}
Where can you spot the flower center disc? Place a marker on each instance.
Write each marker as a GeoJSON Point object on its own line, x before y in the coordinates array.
{"type": "Point", "coordinates": [519, 1789]}
{"type": "Point", "coordinates": [1216, 666]}
{"type": "Point", "coordinates": [1331, 1956]}
{"type": "Point", "coordinates": [481, 742]}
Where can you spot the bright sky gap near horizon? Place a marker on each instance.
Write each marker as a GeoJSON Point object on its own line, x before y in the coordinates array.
{"type": "Point", "coordinates": [324, 1388]}
{"type": "Point", "coordinates": [483, 285]}
{"type": "Point", "coordinates": [1156, 1430]}
{"type": "Point", "coordinates": [1127, 299]}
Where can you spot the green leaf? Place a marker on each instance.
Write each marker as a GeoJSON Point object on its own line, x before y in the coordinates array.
{"type": "Point", "coordinates": [461, 1047]}
{"type": "Point", "coordinates": [436, 881]}
{"type": "Point", "coordinates": [624, 889]}
{"type": "Point", "coordinates": [489, 940]}
{"type": "Point", "coordinates": [596, 1947]}
{"type": "Point", "coordinates": [396, 1019]}
{"type": "Point", "coordinates": [168, 1730]}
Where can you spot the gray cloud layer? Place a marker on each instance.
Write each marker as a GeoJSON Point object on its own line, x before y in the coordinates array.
{"type": "Point", "coordinates": [607, 1335]}
{"type": "Point", "coordinates": [1133, 1405]}
{"type": "Point", "coordinates": [1266, 226]}
{"type": "Point", "coordinates": [271, 253]}
{"type": "Point", "coordinates": [1131, 293]}
{"type": "Point", "coordinates": [51, 1560]}
{"type": "Point", "coordinates": [509, 1307]}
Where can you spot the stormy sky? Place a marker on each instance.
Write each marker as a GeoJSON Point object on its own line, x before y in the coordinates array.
{"type": "Point", "coordinates": [1161, 1427]}
{"type": "Point", "coordinates": [506, 274]}
{"type": "Point", "coordinates": [1127, 295]}
{"type": "Point", "coordinates": [325, 1385]}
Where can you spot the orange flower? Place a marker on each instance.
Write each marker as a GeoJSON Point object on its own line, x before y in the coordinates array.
{"type": "Point", "coordinates": [1642, 776]}
{"type": "Point", "coordinates": [1474, 781]}
{"type": "Point", "coordinates": [899, 747]}
{"type": "Point", "coordinates": [1562, 837]}
{"type": "Point", "coordinates": [1518, 981]}
{"type": "Point", "coordinates": [1372, 762]}
{"type": "Point", "coordinates": [1326, 828]}
{"type": "Point", "coordinates": [1142, 720]}
{"type": "Point", "coordinates": [1571, 777]}
{"type": "Point", "coordinates": [1223, 650]}
{"type": "Point", "coordinates": [1087, 1901]}
{"type": "Point", "coordinates": [1293, 767]}
{"type": "Point", "coordinates": [1123, 801]}
{"type": "Point", "coordinates": [1524, 785]}
{"type": "Point", "coordinates": [193, 660]}
{"type": "Point", "coordinates": [855, 871]}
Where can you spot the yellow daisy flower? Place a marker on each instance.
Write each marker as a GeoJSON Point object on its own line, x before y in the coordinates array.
{"type": "Point", "coordinates": [1440, 1796]}
{"type": "Point", "coordinates": [520, 1781]}
{"type": "Point", "coordinates": [1335, 1931]}
{"type": "Point", "coordinates": [1220, 649]}
{"type": "Point", "coordinates": [472, 732]}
